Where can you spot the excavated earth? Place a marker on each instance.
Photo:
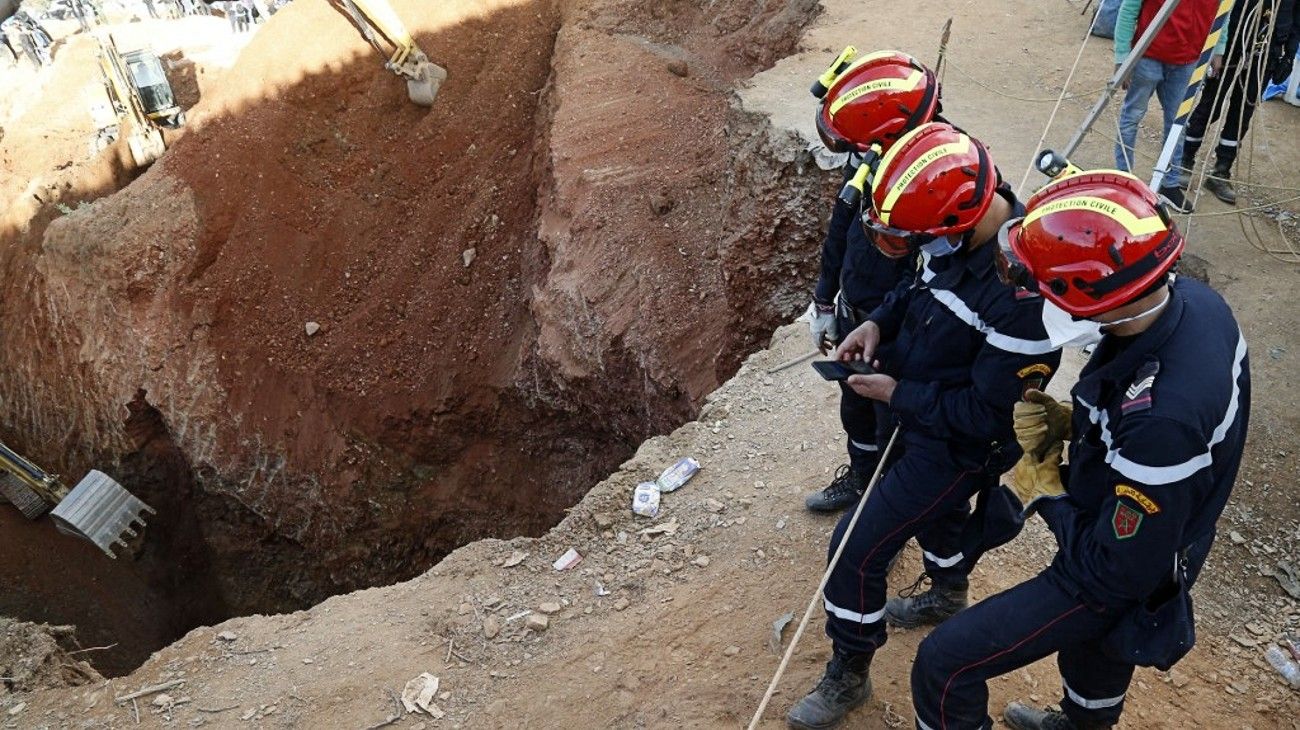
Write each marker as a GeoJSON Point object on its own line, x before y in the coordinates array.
{"type": "Point", "coordinates": [664, 623]}
{"type": "Point", "coordinates": [508, 292]}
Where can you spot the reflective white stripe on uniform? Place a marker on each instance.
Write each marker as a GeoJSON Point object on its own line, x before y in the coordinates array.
{"type": "Point", "coordinates": [920, 724]}
{"type": "Point", "coordinates": [854, 616]}
{"type": "Point", "coordinates": [1086, 704]}
{"type": "Point", "coordinates": [1227, 142]}
{"type": "Point", "coordinates": [864, 447]}
{"type": "Point", "coordinates": [1158, 475]}
{"type": "Point", "coordinates": [942, 562]}
{"type": "Point", "coordinates": [954, 304]}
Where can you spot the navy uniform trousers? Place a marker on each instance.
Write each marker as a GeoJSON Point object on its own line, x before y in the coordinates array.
{"type": "Point", "coordinates": [923, 494]}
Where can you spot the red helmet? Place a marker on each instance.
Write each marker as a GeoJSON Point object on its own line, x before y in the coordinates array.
{"type": "Point", "coordinates": [877, 99]}
{"type": "Point", "coordinates": [1091, 242]}
{"type": "Point", "coordinates": [935, 181]}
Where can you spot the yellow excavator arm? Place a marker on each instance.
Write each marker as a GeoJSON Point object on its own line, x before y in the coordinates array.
{"type": "Point", "coordinates": [377, 20]}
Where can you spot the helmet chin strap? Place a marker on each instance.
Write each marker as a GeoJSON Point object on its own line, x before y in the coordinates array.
{"type": "Point", "coordinates": [1149, 311]}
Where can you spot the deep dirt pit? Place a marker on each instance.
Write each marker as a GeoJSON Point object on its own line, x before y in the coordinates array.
{"type": "Point", "coordinates": [515, 289]}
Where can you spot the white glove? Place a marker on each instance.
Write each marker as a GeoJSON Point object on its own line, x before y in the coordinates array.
{"type": "Point", "coordinates": [821, 325]}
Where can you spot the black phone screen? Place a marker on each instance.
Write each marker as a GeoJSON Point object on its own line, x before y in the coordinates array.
{"type": "Point", "coordinates": [836, 370]}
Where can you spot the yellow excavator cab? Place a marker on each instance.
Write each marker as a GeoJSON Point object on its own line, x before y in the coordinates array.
{"type": "Point", "coordinates": [137, 90]}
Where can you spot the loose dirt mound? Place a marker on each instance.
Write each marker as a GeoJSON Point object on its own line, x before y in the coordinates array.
{"type": "Point", "coordinates": [512, 289]}
{"type": "Point", "coordinates": [33, 656]}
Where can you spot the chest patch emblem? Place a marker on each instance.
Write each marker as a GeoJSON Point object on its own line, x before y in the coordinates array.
{"type": "Point", "coordinates": [1138, 395]}
{"type": "Point", "coordinates": [1126, 521]}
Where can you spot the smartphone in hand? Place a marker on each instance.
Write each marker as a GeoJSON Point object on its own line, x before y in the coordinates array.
{"type": "Point", "coordinates": [836, 370]}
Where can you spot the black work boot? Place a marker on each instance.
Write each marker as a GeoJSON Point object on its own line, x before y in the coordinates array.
{"type": "Point", "coordinates": [1220, 184]}
{"type": "Point", "coordinates": [1177, 200]}
{"type": "Point", "coordinates": [844, 686]}
{"type": "Point", "coordinates": [1024, 717]}
{"type": "Point", "coordinates": [911, 608]}
{"type": "Point", "coordinates": [1189, 164]}
{"type": "Point", "coordinates": [844, 491]}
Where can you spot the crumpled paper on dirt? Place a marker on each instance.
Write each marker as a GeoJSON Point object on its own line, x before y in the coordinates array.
{"type": "Point", "coordinates": [419, 693]}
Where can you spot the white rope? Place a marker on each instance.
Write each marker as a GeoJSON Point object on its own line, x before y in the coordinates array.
{"type": "Point", "coordinates": [1020, 191]}
{"type": "Point", "coordinates": [812, 604]}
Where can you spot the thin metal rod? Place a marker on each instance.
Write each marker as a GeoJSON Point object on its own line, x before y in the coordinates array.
{"type": "Point", "coordinates": [812, 604]}
{"type": "Point", "coordinates": [943, 48]}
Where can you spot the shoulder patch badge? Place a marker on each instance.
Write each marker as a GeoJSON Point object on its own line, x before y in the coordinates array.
{"type": "Point", "coordinates": [1032, 377]}
{"type": "Point", "coordinates": [1037, 368]}
{"type": "Point", "coordinates": [1126, 521]}
{"type": "Point", "coordinates": [1147, 504]}
{"type": "Point", "coordinates": [1138, 395]}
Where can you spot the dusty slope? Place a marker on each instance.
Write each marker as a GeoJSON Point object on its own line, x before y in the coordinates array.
{"type": "Point", "coordinates": [662, 662]}
{"type": "Point", "coordinates": [505, 311]}
{"type": "Point", "coordinates": [658, 650]}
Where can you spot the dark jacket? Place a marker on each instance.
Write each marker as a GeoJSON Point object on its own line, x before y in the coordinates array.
{"type": "Point", "coordinates": [851, 263]}
{"type": "Point", "coordinates": [1286, 40]}
{"type": "Point", "coordinates": [1158, 432]}
{"type": "Point", "coordinates": [963, 346]}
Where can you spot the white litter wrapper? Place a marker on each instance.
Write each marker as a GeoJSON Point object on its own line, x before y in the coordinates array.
{"type": "Point", "coordinates": [678, 474]}
{"type": "Point", "coordinates": [645, 499]}
{"type": "Point", "coordinates": [569, 559]}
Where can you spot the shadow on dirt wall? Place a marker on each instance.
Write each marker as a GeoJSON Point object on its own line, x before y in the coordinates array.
{"type": "Point", "coordinates": [333, 195]}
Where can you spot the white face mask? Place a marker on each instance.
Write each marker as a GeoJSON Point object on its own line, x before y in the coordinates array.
{"type": "Point", "coordinates": [942, 246]}
{"type": "Point", "coordinates": [1150, 311]}
{"type": "Point", "coordinates": [1066, 331]}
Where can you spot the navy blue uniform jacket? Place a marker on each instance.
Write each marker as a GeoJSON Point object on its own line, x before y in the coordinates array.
{"type": "Point", "coordinates": [1158, 432]}
{"type": "Point", "coordinates": [963, 346]}
{"type": "Point", "coordinates": [851, 263]}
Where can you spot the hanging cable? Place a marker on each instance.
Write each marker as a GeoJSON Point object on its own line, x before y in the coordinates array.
{"type": "Point", "coordinates": [1020, 190]}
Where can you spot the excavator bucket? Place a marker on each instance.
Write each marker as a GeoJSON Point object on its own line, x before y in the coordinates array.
{"type": "Point", "coordinates": [424, 81]}
{"type": "Point", "coordinates": [101, 511]}
{"type": "Point", "coordinates": [146, 147]}
{"type": "Point", "coordinates": [22, 496]}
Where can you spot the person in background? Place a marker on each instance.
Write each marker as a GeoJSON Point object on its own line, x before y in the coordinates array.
{"type": "Point", "coordinates": [1252, 62]}
{"type": "Point", "coordinates": [1164, 70]}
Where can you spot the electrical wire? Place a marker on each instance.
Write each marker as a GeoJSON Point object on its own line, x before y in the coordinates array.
{"type": "Point", "coordinates": [1041, 100]}
{"type": "Point", "coordinates": [1020, 190]}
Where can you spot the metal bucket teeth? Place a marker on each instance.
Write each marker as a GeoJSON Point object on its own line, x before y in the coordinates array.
{"type": "Point", "coordinates": [22, 496]}
{"type": "Point", "coordinates": [101, 511]}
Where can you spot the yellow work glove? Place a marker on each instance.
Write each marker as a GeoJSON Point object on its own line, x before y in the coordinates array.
{"type": "Point", "coordinates": [1059, 414]}
{"type": "Point", "coordinates": [1033, 478]}
{"type": "Point", "coordinates": [1041, 421]}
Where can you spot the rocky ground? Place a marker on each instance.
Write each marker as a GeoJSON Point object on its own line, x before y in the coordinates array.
{"type": "Point", "coordinates": [669, 622]}
{"type": "Point", "coordinates": [664, 623]}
